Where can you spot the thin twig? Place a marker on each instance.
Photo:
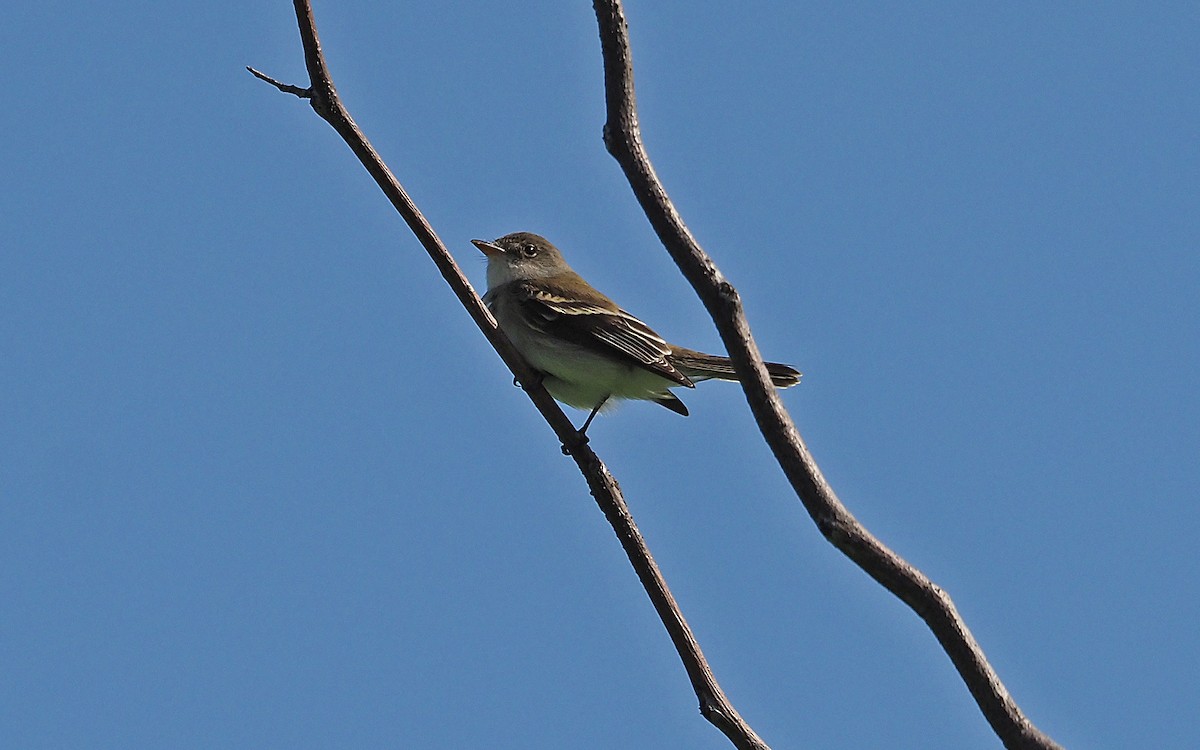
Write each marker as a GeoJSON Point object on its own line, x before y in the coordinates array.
{"type": "Point", "coordinates": [623, 139]}
{"type": "Point", "coordinates": [286, 88]}
{"type": "Point", "coordinates": [323, 97]}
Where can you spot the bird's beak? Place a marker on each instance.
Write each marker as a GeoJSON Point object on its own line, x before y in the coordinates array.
{"type": "Point", "coordinates": [490, 249]}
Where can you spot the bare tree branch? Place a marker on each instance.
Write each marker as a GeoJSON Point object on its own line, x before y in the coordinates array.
{"type": "Point", "coordinates": [622, 137]}
{"type": "Point", "coordinates": [323, 97]}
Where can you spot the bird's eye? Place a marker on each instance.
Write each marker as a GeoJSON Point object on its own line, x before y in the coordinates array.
{"type": "Point", "coordinates": [528, 251]}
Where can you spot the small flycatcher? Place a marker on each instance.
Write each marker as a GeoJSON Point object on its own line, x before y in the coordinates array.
{"type": "Point", "coordinates": [591, 352]}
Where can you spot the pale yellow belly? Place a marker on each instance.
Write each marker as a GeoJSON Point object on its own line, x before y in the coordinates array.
{"type": "Point", "coordinates": [578, 376]}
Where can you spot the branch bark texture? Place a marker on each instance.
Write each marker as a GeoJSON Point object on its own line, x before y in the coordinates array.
{"type": "Point", "coordinates": [322, 95]}
{"type": "Point", "coordinates": [622, 137]}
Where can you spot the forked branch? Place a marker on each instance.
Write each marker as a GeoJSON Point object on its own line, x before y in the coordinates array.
{"type": "Point", "coordinates": [323, 97]}
{"type": "Point", "coordinates": [622, 136]}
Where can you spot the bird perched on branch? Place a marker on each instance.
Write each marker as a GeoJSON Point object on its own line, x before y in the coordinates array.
{"type": "Point", "coordinates": [590, 352]}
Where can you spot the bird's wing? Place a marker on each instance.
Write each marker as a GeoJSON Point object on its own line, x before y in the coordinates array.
{"type": "Point", "coordinates": [598, 324]}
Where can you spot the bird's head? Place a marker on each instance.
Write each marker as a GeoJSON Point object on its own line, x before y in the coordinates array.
{"type": "Point", "coordinates": [521, 256]}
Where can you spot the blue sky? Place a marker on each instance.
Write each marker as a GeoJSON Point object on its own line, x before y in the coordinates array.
{"type": "Point", "coordinates": [262, 483]}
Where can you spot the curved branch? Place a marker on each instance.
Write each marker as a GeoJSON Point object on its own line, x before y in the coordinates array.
{"type": "Point", "coordinates": [622, 137]}
{"type": "Point", "coordinates": [323, 97]}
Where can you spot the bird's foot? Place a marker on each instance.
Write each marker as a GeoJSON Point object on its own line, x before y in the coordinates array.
{"type": "Point", "coordinates": [538, 377]}
{"type": "Point", "coordinates": [569, 449]}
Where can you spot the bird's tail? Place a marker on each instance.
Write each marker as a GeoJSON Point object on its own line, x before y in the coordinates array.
{"type": "Point", "coordinates": [701, 366]}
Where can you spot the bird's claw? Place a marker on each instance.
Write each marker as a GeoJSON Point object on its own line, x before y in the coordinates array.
{"type": "Point", "coordinates": [537, 379]}
{"type": "Point", "coordinates": [581, 440]}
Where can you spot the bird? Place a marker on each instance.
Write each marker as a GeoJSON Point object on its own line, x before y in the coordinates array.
{"type": "Point", "coordinates": [588, 351]}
